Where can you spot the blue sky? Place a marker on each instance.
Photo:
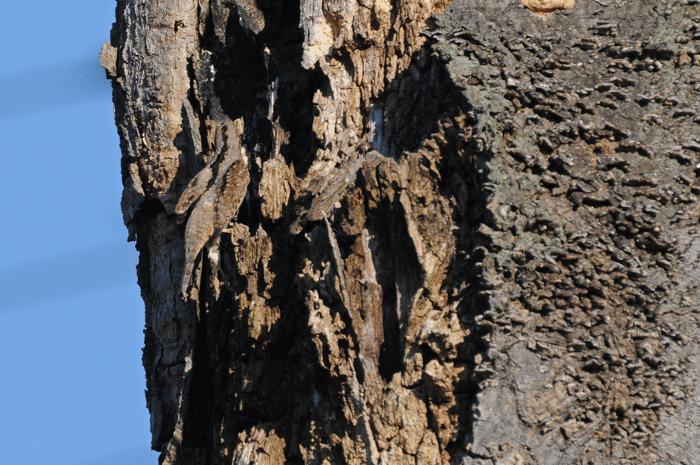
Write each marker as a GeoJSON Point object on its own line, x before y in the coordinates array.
{"type": "Point", "coordinates": [71, 316]}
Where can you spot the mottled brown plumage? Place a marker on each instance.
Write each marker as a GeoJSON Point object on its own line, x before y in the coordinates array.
{"type": "Point", "coordinates": [218, 190]}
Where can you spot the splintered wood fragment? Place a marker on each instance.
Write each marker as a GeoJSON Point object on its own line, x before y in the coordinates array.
{"type": "Point", "coordinates": [275, 187]}
{"type": "Point", "coordinates": [368, 331]}
{"type": "Point", "coordinates": [328, 192]}
{"type": "Point", "coordinates": [540, 7]}
{"type": "Point", "coordinates": [338, 263]}
{"type": "Point", "coordinates": [334, 190]}
{"type": "Point", "coordinates": [372, 334]}
{"type": "Point", "coordinates": [251, 17]}
{"type": "Point", "coordinates": [191, 126]}
{"type": "Point", "coordinates": [278, 178]}
{"type": "Point", "coordinates": [412, 229]}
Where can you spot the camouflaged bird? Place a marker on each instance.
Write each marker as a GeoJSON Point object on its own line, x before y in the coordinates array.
{"type": "Point", "coordinates": [218, 190]}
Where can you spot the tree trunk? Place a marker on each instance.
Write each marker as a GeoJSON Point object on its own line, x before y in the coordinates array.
{"type": "Point", "coordinates": [468, 233]}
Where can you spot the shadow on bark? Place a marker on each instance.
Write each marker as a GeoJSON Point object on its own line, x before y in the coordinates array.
{"type": "Point", "coordinates": [263, 370]}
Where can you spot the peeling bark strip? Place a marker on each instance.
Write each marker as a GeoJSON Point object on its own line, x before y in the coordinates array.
{"type": "Point", "coordinates": [547, 6]}
{"type": "Point", "coordinates": [466, 239]}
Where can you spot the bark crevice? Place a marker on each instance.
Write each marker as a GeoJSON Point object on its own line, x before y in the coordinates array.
{"type": "Point", "coordinates": [467, 238]}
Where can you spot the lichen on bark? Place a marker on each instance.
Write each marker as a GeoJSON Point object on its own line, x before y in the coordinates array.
{"type": "Point", "coordinates": [468, 237]}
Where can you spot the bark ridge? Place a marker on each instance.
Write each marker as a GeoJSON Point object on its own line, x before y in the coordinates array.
{"type": "Point", "coordinates": [466, 234]}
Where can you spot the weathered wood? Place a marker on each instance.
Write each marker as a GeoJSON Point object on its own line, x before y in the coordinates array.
{"type": "Point", "coordinates": [468, 235]}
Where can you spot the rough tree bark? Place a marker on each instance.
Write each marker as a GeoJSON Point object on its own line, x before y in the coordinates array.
{"type": "Point", "coordinates": [469, 235]}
